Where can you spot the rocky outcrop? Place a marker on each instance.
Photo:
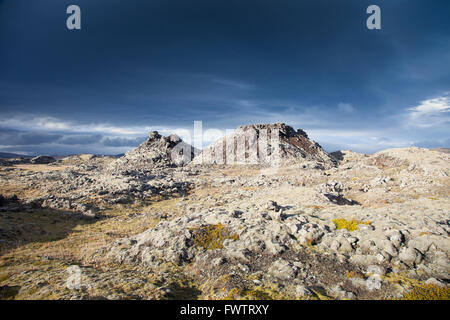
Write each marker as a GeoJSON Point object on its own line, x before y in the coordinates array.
{"type": "Point", "coordinates": [35, 160]}
{"type": "Point", "coordinates": [42, 160]}
{"type": "Point", "coordinates": [156, 151]}
{"type": "Point", "coordinates": [413, 159]}
{"type": "Point", "coordinates": [266, 145]}
{"type": "Point", "coordinates": [14, 161]}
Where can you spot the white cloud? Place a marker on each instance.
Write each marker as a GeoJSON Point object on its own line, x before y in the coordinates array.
{"type": "Point", "coordinates": [45, 123]}
{"type": "Point", "coordinates": [430, 113]}
{"type": "Point", "coordinates": [363, 140]}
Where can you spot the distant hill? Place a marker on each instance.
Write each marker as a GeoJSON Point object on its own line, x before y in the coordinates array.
{"type": "Point", "coordinates": [6, 155]}
{"type": "Point", "coordinates": [444, 150]}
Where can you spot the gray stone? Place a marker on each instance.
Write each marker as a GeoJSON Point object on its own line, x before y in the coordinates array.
{"type": "Point", "coordinates": [302, 291]}
{"type": "Point", "coordinates": [373, 282]}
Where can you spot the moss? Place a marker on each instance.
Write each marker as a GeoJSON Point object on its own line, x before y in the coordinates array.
{"type": "Point", "coordinates": [234, 294]}
{"type": "Point", "coordinates": [211, 236]}
{"type": "Point", "coordinates": [267, 292]}
{"type": "Point", "coordinates": [428, 292]}
{"type": "Point", "coordinates": [354, 274]}
{"type": "Point", "coordinates": [418, 290]}
{"type": "Point", "coordinates": [258, 294]}
{"type": "Point", "coordinates": [350, 225]}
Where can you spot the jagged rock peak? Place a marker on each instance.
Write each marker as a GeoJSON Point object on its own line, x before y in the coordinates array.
{"type": "Point", "coordinates": [285, 130]}
{"type": "Point", "coordinates": [258, 144]}
{"type": "Point", "coordinates": [156, 151]}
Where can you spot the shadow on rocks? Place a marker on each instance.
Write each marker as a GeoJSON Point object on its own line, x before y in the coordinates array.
{"type": "Point", "coordinates": [340, 200]}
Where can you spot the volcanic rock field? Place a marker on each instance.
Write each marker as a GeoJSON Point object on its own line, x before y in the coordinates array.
{"type": "Point", "coordinates": [154, 225]}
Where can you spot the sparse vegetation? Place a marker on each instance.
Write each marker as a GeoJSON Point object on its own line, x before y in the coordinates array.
{"type": "Point", "coordinates": [354, 274]}
{"type": "Point", "coordinates": [211, 237]}
{"type": "Point", "coordinates": [428, 292]}
{"type": "Point", "coordinates": [268, 292]}
{"type": "Point", "coordinates": [350, 225]}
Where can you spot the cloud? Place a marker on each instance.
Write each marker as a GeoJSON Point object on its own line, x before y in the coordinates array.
{"type": "Point", "coordinates": [430, 113]}
{"type": "Point", "coordinates": [83, 139]}
{"type": "Point", "coordinates": [444, 143]}
{"type": "Point", "coordinates": [363, 140]}
{"type": "Point", "coordinates": [233, 83]}
{"type": "Point", "coordinates": [52, 124]}
{"type": "Point", "coordinates": [44, 134]}
{"type": "Point", "coordinates": [345, 107]}
{"type": "Point", "coordinates": [45, 123]}
{"type": "Point", "coordinates": [122, 142]}
{"type": "Point", "coordinates": [27, 138]}
{"type": "Point", "coordinates": [333, 130]}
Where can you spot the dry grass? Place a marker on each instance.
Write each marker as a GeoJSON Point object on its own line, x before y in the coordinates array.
{"type": "Point", "coordinates": [66, 241]}
{"type": "Point", "coordinates": [20, 190]}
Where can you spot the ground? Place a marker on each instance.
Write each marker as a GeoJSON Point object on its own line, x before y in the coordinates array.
{"type": "Point", "coordinates": [371, 227]}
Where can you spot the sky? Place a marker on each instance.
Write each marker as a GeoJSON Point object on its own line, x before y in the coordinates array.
{"type": "Point", "coordinates": [137, 66]}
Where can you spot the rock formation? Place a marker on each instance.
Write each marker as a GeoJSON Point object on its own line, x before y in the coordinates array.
{"type": "Point", "coordinates": [266, 145]}
{"type": "Point", "coordinates": [42, 160]}
{"type": "Point", "coordinates": [156, 151]}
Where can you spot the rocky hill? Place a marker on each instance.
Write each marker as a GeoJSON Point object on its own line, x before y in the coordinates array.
{"type": "Point", "coordinates": [266, 145]}
{"type": "Point", "coordinates": [156, 151]}
{"type": "Point", "coordinates": [429, 162]}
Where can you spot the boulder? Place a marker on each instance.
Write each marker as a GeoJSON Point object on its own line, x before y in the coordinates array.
{"type": "Point", "coordinates": [42, 160]}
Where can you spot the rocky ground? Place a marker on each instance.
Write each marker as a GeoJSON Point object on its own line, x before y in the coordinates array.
{"type": "Point", "coordinates": [338, 226]}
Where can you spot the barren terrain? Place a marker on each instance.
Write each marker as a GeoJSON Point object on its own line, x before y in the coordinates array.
{"type": "Point", "coordinates": [320, 226]}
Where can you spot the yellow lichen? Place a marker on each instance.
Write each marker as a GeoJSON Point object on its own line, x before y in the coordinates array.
{"type": "Point", "coordinates": [350, 225]}
{"type": "Point", "coordinates": [211, 236]}
{"type": "Point", "coordinates": [354, 274]}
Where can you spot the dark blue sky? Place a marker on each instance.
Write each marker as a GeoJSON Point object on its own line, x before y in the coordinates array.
{"type": "Point", "coordinates": [140, 65]}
